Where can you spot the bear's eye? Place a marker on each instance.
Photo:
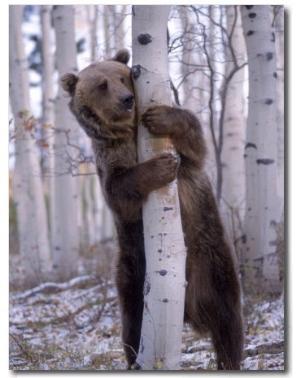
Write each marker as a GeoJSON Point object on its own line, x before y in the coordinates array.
{"type": "Point", "coordinates": [103, 86]}
{"type": "Point", "coordinates": [122, 80]}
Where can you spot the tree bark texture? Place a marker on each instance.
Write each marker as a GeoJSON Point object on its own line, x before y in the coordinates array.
{"type": "Point", "coordinates": [65, 233]}
{"type": "Point", "coordinates": [234, 127]}
{"type": "Point", "coordinates": [260, 260]}
{"type": "Point", "coordinates": [27, 181]}
{"type": "Point", "coordinates": [164, 289]}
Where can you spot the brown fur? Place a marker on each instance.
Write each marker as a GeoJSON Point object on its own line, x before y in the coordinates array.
{"type": "Point", "coordinates": [102, 101]}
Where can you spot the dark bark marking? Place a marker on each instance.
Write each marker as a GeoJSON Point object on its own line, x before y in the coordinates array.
{"type": "Point", "coordinates": [249, 144]}
{"type": "Point", "coordinates": [168, 208]}
{"type": "Point", "coordinates": [269, 101]}
{"type": "Point", "coordinates": [275, 75]}
{"type": "Point", "coordinates": [144, 38]}
{"type": "Point", "coordinates": [165, 300]}
{"type": "Point", "coordinates": [249, 6]}
{"type": "Point", "coordinates": [136, 71]}
{"type": "Point", "coordinates": [265, 161]}
{"type": "Point", "coordinates": [252, 15]}
{"type": "Point", "coordinates": [250, 32]}
{"type": "Point", "coordinates": [273, 37]}
{"type": "Point", "coordinates": [269, 56]}
{"type": "Point", "coordinates": [162, 272]}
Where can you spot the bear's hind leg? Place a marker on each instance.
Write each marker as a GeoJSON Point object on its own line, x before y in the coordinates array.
{"type": "Point", "coordinates": [218, 311]}
{"type": "Point", "coordinates": [130, 281]}
{"type": "Point", "coordinates": [227, 338]}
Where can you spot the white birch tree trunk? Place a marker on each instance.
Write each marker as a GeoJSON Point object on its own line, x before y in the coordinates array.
{"type": "Point", "coordinates": [92, 19]}
{"type": "Point", "coordinates": [279, 33]}
{"type": "Point", "coordinates": [190, 58]}
{"type": "Point", "coordinates": [164, 292]}
{"type": "Point", "coordinates": [27, 181]}
{"type": "Point", "coordinates": [233, 192]}
{"type": "Point", "coordinates": [261, 152]}
{"type": "Point", "coordinates": [118, 25]}
{"type": "Point", "coordinates": [107, 30]}
{"type": "Point", "coordinates": [65, 231]}
{"type": "Point", "coordinates": [48, 97]}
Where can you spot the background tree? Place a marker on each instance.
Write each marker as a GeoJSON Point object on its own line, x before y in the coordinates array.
{"type": "Point", "coordinates": [48, 109]}
{"type": "Point", "coordinates": [278, 22]}
{"type": "Point", "coordinates": [260, 260]}
{"type": "Point", "coordinates": [234, 125]}
{"type": "Point", "coordinates": [27, 184]}
{"type": "Point", "coordinates": [65, 239]}
{"type": "Point", "coordinates": [160, 345]}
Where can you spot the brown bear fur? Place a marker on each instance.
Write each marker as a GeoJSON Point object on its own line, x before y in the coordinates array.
{"type": "Point", "coordinates": [102, 100]}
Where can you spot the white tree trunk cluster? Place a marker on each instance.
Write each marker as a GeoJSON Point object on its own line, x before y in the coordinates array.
{"type": "Point", "coordinates": [27, 182]}
{"type": "Point", "coordinates": [261, 149]}
{"type": "Point", "coordinates": [164, 291]}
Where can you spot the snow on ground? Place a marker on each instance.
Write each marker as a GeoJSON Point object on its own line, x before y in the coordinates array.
{"type": "Point", "coordinates": [76, 326]}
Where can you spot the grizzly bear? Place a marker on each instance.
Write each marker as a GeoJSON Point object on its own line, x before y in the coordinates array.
{"type": "Point", "coordinates": [102, 100]}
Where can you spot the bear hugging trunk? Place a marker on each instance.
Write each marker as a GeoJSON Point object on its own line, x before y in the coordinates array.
{"type": "Point", "coordinates": [102, 100]}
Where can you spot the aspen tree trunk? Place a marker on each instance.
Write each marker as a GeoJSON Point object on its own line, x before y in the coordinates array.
{"type": "Point", "coordinates": [92, 19]}
{"type": "Point", "coordinates": [27, 181]}
{"type": "Point", "coordinates": [190, 59]}
{"type": "Point", "coordinates": [215, 84]}
{"type": "Point", "coordinates": [261, 263]}
{"type": "Point", "coordinates": [279, 32]}
{"type": "Point", "coordinates": [118, 24]}
{"type": "Point", "coordinates": [107, 30]}
{"type": "Point", "coordinates": [48, 117]}
{"type": "Point", "coordinates": [66, 200]}
{"type": "Point", "coordinates": [160, 346]}
{"type": "Point", "coordinates": [234, 125]}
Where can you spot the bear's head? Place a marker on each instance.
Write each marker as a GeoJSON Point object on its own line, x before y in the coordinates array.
{"type": "Point", "coordinates": [102, 97]}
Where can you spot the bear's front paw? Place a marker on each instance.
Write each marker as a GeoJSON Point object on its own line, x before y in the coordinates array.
{"type": "Point", "coordinates": [158, 120]}
{"type": "Point", "coordinates": [163, 169]}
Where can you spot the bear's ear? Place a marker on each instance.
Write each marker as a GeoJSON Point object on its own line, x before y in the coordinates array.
{"type": "Point", "coordinates": [68, 83]}
{"type": "Point", "coordinates": [122, 56]}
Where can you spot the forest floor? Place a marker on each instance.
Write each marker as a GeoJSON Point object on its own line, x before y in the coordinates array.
{"type": "Point", "coordinates": [76, 326]}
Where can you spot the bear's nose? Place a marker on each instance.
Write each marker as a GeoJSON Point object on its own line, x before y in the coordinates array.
{"type": "Point", "coordinates": [128, 101]}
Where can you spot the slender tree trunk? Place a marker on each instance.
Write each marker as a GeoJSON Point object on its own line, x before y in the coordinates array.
{"type": "Point", "coordinates": [118, 24]}
{"type": "Point", "coordinates": [261, 262]}
{"type": "Point", "coordinates": [233, 193]}
{"type": "Point", "coordinates": [27, 181]}
{"type": "Point", "coordinates": [160, 346]}
{"type": "Point", "coordinates": [92, 19]}
{"type": "Point", "coordinates": [107, 31]}
{"type": "Point", "coordinates": [48, 117]}
{"type": "Point", "coordinates": [66, 199]}
{"type": "Point", "coordinates": [279, 32]}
